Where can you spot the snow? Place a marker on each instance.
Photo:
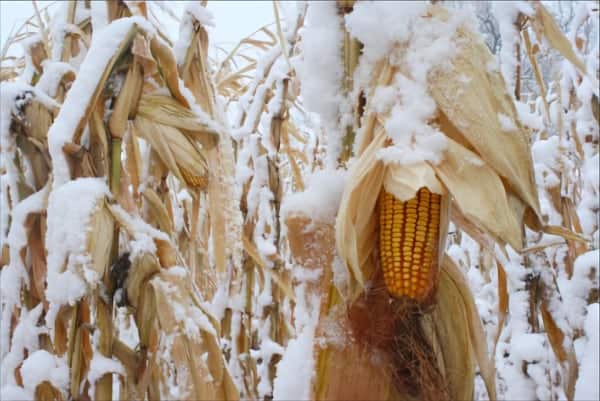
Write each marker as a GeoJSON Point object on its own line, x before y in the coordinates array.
{"type": "Point", "coordinates": [427, 44]}
{"type": "Point", "coordinates": [52, 75]}
{"type": "Point", "coordinates": [296, 369]}
{"type": "Point", "coordinates": [528, 118]}
{"type": "Point", "coordinates": [194, 11]}
{"type": "Point", "coordinates": [15, 274]}
{"type": "Point", "coordinates": [70, 208]}
{"type": "Point", "coordinates": [381, 25]}
{"type": "Point", "coordinates": [24, 339]}
{"type": "Point", "coordinates": [15, 393]}
{"type": "Point", "coordinates": [575, 291]}
{"type": "Point", "coordinates": [98, 14]}
{"type": "Point", "coordinates": [586, 387]}
{"type": "Point", "coordinates": [321, 71]}
{"type": "Point", "coordinates": [506, 13]}
{"type": "Point", "coordinates": [506, 123]}
{"type": "Point", "coordinates": [42, 366]}
{"type": "Point", "coordinates": [104, 45]}
{"type": "Point", "coordinates": [99, 366]}
{"type": "Point", "coordinates": [315, 203]}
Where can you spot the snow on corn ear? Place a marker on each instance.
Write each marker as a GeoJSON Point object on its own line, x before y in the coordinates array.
{"type": "Point", "coordinates": [408, 243]}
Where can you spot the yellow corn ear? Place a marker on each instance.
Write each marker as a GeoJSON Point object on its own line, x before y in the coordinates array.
{"type": "Point", "coordinates": [409, 242]}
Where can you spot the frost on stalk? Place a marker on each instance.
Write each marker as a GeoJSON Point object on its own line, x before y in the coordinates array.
{"type": "Point", "coordinates": [52, 75]}
{"type": "Point", "coordinates": [507, 13]}
{"type": "Point", "coordinates": [24, 340]}
{"type": "Point", "coordinates": [314, 202]}
{"type": "Point", "coordinates": [321, 72]}
{"type": "Point", "coordinates": [70, 209]}
{"type": "Point", "coordinates": [194, 11]}
{"type": "Point", "coordinates": [104, 46]}
{"type": "Point", "coordinates": [587, 382]}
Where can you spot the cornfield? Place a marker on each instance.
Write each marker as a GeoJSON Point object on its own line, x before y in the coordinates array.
{"type": "Point", "coordinates": [360, 201]}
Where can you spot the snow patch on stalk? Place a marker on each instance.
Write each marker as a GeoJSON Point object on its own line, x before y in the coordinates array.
{"type": "Point", "coordinates": [104, 46]}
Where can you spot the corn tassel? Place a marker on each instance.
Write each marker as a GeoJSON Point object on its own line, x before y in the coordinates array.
{"type": "Point", "coordinates": [408, 243]}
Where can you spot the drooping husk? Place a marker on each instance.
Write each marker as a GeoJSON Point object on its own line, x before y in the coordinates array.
{"type": "Point", "coordinates": [176, 334]}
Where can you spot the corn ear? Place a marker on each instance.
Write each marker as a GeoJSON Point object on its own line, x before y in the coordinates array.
{"type": "Point", "coordinates": [408, 243]}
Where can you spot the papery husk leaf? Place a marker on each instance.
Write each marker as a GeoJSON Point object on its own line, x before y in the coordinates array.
{"type": "Point", "coordinates": [554, 333]}
{"type": "Point", "coordinates": [153, 133]}
{"type": "Point", "coordinates": [544, 24]}
{"type": "Point", "coordinates": [99, 144]}
{"type": "Point", "coordinates": [167, 255]}
{"type": "Point", "coordinates": [126, 102]}
{"type": "Point", "coordinates": [61, 331]}
{"type": "Point", "coordinates": [159, 211]}
{"type": "Point", "coordinates": [405, 181]}
{"type": "Point", "coordinates": [142, 55]}
{"type": "Point", "coordinates": [133, 160]}
{"type": "Point", "coordinates": [104, 385]}
{"type": "Point", "coordinates": [485, 204]}
{"type": "Point", "coordinates": [470, 229]}
{"type": "Point", "coordinates": [355, 227]}
{"type": "Point", "coordinates": [4, 256]}
{"type": "Point", "coordinates": [458, 285]}
{"type": "Point", "coordinates": [37, 253]}
{"type": "Point", "coordinates": [167, 66]}
{"type": "Point", "coordinates": [473, 106]}
{"type": "Point", "coordinates": [168, 111]}
{"type": "Point", "coordinates": [100, 239]}
{"type": "Point", "coordinates": [447, 331]}
{"type": "Point", "coordinates": [565, 233]}
{"type": "Point", "coordinates": [127, 356]}
{"type": "Point", "coordinates": [142, 269]}
{"type": "Point", "coordinates": [503, 298]}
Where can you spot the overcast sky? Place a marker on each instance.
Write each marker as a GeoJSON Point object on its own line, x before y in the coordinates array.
{"type": "Point", "coordinates": [234, 19]}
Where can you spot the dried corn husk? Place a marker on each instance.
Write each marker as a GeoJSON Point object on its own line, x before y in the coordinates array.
{"type": "Point", "coordinates": [473, 108]}
{"type": "Point", "coordinates": [476, 142]}
{"type": "Point", "coordinates": [166, 110]}
{"type": "Point", "coordinates": [544, 26]}
{"type": "Point", "coordinates": [176, 151]}
{"type": "Point", "coordinates": [100, 238]}
{"type": "Point", "coordinates": [127, 100]}
{"type": "Point", "coordinates": [166, 307]}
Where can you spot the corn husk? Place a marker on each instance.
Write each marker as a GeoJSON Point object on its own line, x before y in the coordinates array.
{"type": "Point", "coordinates": [127, 100]}
{"type": "Point", "coordinates": [473, 108]}
{"type": "Point", "coordinates": [176, 151]}
{"type": "Point", "coordinates": [478, 150]}
{"type": "Point", "coordinates": [544, 26]}
{"type": "Point", "coordinates": [161, 297]}
{"type": "Point", "coordinates": [168, 111]}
